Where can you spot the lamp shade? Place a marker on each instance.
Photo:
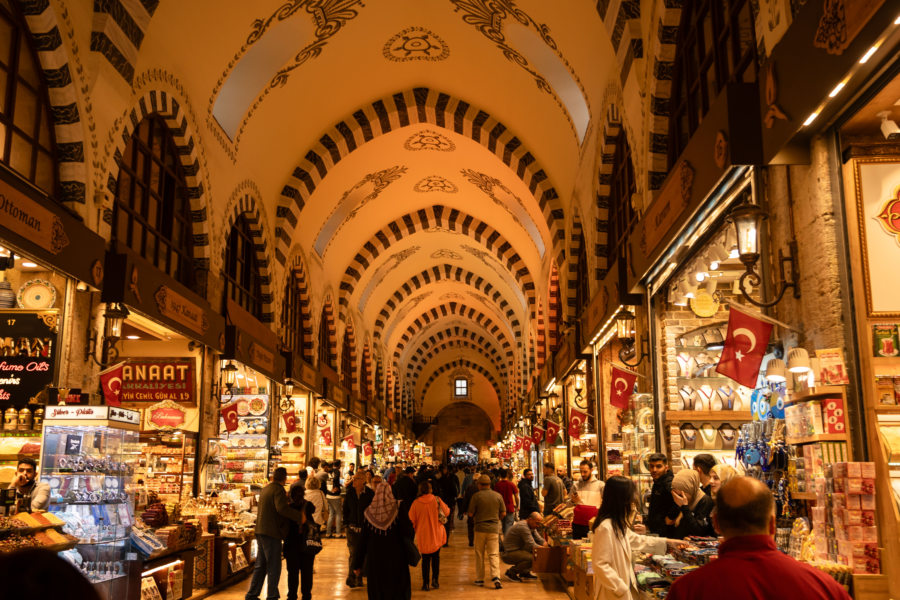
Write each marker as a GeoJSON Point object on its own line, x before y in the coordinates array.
{"type": "Point", "coordinates": [625, 326]}
{"type": "Point", "coordinates": [747, 219]}
{"type": "Point", "coordinates": [798, 361]}
{"type": "Point", "coordinates": [776, 371]}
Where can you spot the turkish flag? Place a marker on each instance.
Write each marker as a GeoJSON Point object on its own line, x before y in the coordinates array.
{"type": "Point", "coordinates": [526, 443]}
{"type": "Point", "coordinates": [576, 420]}
{"type": "Point", "coordinates": [325, 432]}
{"type": "Point", "coordinates": [230, 416]}
{"type": "Point", "coordinates": [552, 431]}
{"type": "Point", "coordinates": [621, 386]}
{"type": "Point", "coordinates": [537, 434]}
{"type": "Point", "coordinates": [367, 449]}
{"type": "Point", "coordinates": [745, 346]}
{"type": "Point", "coordinates": [350, 444]}
{"type": "Point", "coordinates": [111, 384]}
{"type": "Point", "coordinates": [290, 421]}
{"type": "Point", "coordinates": [517, 445]}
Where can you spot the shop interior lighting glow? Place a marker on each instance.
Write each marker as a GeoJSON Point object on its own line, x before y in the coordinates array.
{"type": "Point", "coordinates": [837, 89]}
{"type": "Point", "coordinates": [29, 265]}
{"type": "Point", "coordinates": [865, 57]}
{"type": "Point", "coordinates": [810, 118]}
{"type": "Point", "coordinates": [550, 385]}
{"type": "Point", "coordinates": [165, 566]}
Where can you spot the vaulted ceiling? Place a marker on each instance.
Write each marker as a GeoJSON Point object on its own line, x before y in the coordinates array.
{"type": "Point", "coordinates": [421, 155]}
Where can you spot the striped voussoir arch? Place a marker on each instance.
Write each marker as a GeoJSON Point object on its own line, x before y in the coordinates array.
{"type": "Point", "coordinates": [576, 242]}
{"type": "Point", "coordinates": [295, 274]}
{"type": "Point", "coordinates": [419, 360]}
{"type": "Point", "coordinates": [68, 129]}
{"type": "Point", "coordinates": [402, 109]}
{"type": "Point", "coordinates": [622, 19]}
{"type": "Point", "coordinates": [611, 128]}
{"type": "Point", "coordinates": [367, 372]}
{"type": "Point", "coordinates": [462, 362]}
{"type": "Point", "coordinates": [554, 309]}
{"type": "Point", "coordinates": [170, 110]}
{"type": "Point", "coordinates": [459, 309]}
{"type": "Point", "coordinates": [246, 206]}
{"type": "Point", "coordinates": [541, 338]}
{"type": "Point", "coordinates": [435, 216]}
{"type": "Point", "coordinates": [349, 345]}
{"type": "Point", "coordinates": [444, 272]}
{"type": "Point", "coordinates": [660, 88]}
{"type": "Point", "coordinates": [459, 334]}
{"type": "Point", "coordinates": [118, 31]}
{"type": "Point", "coordinates": [327, 321]}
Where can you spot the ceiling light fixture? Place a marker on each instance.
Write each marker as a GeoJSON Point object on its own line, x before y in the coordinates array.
{"type": "Point", "coordinates": [29, 265]}
{"type": "Point", "coordinates": [132, 337]}
{"type": "Point", "coordinates": [810, 118]}
{"type": "Point", "coordinates": [837, 89]}
{"type": "Point", "coordinates": [865, 57]}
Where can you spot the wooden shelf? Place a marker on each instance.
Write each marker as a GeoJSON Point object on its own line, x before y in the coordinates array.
{"type": "Point", "coordinates": [887, 409]}
{"type": "Point", "coordinates": [803, 495]}
{"type": "Point", "coordinates": [821, 391]}
{"type": "Point", "coordinates": [821, 437]}
{"type": "Point", "coordinates": [722, 416]}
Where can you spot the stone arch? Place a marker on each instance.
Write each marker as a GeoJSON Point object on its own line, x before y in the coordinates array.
{"type": "Point", "coordinates": [444, 272]}
{"type": "Point", "coordinates": [456, 334]}
{"type": "Point", "coordinates": [366, 373]}
{"type": "Point", "coordinates": [612, 126]}
{"type": "Point", "coordinates": [435, 216]}
{"type": "Point", "coordinates": [668, 20]}
{"type": "Point", "coordinates": [576, 247]}
{"type": "Point", "coordinates": [418, 105]}
{"type": "Point", "coordinates": [418, 361]}
{"type": "Point", "coordinates": [43, 24]}
{"type": "Point", "coordinates": [462, 362]}
{"type": "Point", "coordinates": [622, 19]}
{"type": "Point", "coordinates": [327, 322]}
{"type": "Point", "coordinates": [541, 337]}
{"type": "Point", "coordinates": [245, 202]}
{"type": "Point", "coordinates": [118, 32]}
{"type": "Point", "coordinates": [350, 375]}
{"type": "Point", "coordinates": [555, 314]}
{"type": "Point", "coordinates": [295, 273]}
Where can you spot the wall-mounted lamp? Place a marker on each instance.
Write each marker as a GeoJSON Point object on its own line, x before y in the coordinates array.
{"type": "Point", "coordinates": [113, 318]}
{"type": "Point", "coordinates": [229, 375]}
{"type": "Point", "coordinates": [287, 403]}
{"type": "Point", "coordinates": [625, 331]}
{"type": "Point", "coordinates": [747, 219]}
{"type": "Point", "coordinates": [578, 374]}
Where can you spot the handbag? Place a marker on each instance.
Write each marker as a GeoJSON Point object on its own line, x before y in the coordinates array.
{"type": "Point", "coordinates": [442, 518]}
{"type": "Point", "coordinates": [412, 552]}
{"type": "Point", "coordinates": [312, 541]}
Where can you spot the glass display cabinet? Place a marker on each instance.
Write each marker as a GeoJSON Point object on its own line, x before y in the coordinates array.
{"type": "Point", "coordinates": [88, 457]}
{"type": "Point", "coordinates": [639, 442]}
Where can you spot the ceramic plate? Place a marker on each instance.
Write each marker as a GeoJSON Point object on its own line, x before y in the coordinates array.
{"type": "Point", "coordinates": [257, 406]}
{"type": "Point", "coordinates": [243, 408]}
{"type": "Point", "coordinates": [36, 294]}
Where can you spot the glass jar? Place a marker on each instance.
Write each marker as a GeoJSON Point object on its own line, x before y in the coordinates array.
{"type": "Point", "coordinates": [38, 420]}
{"type": "Point", "coordinates": [10, 419]}
{"type": "Point", "coordinates": [25, 419]}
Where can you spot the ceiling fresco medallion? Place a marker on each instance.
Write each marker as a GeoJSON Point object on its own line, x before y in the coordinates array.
{"type": "Point", "coordinates": [445, 253]}
{"type": "Point", "coordinates": [416, 43]}
{"type": "Point", "coordinates": [435, 183]}
{"type": "Point", "coordinates": [428, 139]}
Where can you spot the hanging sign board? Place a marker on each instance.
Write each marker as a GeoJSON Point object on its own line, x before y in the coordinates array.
{"type": "Point", "coordinates": [158, 379]}
{"type": "Point", "coordinates": [165, 415]}
{"type": "Point", "coordinates": [27, 353]}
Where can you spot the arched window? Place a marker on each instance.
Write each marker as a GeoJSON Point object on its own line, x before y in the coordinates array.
{"type": "Point", "coordinates": [716, 45]}
{"type": "Point", "coordinates": [622, 216]}
{"type": "Point", "coordinates": [364, 381]}
{"type": "Point", "coordinates": [295, 324]}
{"type": "Point", "coordinates": [347, 362]}
{"type": "Point", "coordinates": [152, 210]}
{"type": "Point", "coordinates": [243, 282]}
{"type": "Point", "coordinates": [581, 277]}
{"type": "Point", "coordinates": [27, 139]}
{"type": "Point", "coordinates": [326, 356]}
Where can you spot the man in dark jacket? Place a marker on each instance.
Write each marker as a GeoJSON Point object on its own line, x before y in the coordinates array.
{"type": "Point", "coordinates": [447, 490]}
{"type": "Point", "coordinates": [662, 504]}
{"type": "Point", "coordinates": [357, 500]}
{"type": "Point", "coordinates": [272, 524]}
{"type": "Point", "coordinates": [527, 498]}
{"type": "Point", "coordinates": [405, 489]}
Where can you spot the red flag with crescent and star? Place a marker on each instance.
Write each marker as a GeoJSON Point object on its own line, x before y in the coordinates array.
{"type": "Point", "coordinates": [552, 431]}
{"type": "Point", "coordinates": [526, 443]}
{"type": "Point", "coordinates": [621, 386]}
{"type": "Point", "coordinates": [290, 421]}
{"type": "Point", "coordinates": [745, 347]}
{"type": "Point", "coordinates": [230, 416]}
{"type": "Point", "coordinates": [537, 434]}
{"type": "Point", "coordinates": [517, 445]}
{"type": "Point", "coordinates": [576, 420]}
{"type": "Point", "coordinates": [325, 433]}
{"type": "Point", "coordinates": [111, 384]}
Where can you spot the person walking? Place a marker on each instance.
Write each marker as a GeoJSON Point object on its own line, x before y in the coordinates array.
{"type": "Point", "coordinates": [464, 510]}
{"type": "Point", "coordinates": [272, 523]}
{"type": "Point", "coordinates": [357, 500]}
{"type": "Point", "coordinates": [334, 525]}
{"type": "Point", "coordinates": [510, 493]}
{"type": "Point", "coordinates": [614, 541]}
{"type": "Point", "coordinates": [554, 491]}
{"type": "Point", "coordinates": [405, 488]}
{"type": "Point", "coordinates": [385, 533]}
{"type": "Point", "coordinates": [447, 489]}
{"type": "Point", "coordinates": [563, 473]}
{"type": "Point", "coordinates": [694, 507]}
{"type": "Point", "coordinates": [662, 505]}
{"type": "Point", "coordinates": [317, 498]}
{"type": "Point", "coordinates": [528, 502]}
{"type": "Point", "coordinates": [518, 547]}
{"type": "Point", "coordinates": [750, 566]}
{"type": "Point", "coordinates": [487, 510]}
{"type": "Point", "coordinates": [430, 533]}
{"type": "Point", "coordinates": [299, 563]}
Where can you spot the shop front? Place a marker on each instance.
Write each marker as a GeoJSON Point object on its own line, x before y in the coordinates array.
{"type": "Point", "coordinates": [302, 384]}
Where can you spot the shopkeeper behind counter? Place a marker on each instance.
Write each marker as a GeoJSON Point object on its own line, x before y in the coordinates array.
{"type": "Point", "coordinates": [30, 494]}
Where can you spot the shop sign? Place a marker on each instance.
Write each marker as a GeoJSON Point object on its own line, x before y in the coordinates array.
{"type": "Point", "coordinates": [253, 326]}
{"type": "Point", "coordinates": [339, 396]}
{"type": "Point", "coordinates": [158, 379]}
{"type": "Point", "coordinates": [31, 337]}
{"type": "Point", "coordinates": [178, 308]}
{"type": "Point", "coordinates": [24, 216]}
{"type": "Point", "coordinates": [166, 415]}
{"type": "Point", "coordinates": [877, 184]}
{"type": "Point", "coordinates": [674, 197]}
{"type": "Point", "coordinates": [87, 413]}
{"type": "Point", "coordinates": [262, 357]}
{"type": "Point", "coordinates": [358, 407]}
{"type": "Point", "coordinates": [123, 415]}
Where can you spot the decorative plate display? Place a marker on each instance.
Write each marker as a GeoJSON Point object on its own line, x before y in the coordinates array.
{"type": "Point", "coordinates": [297, 441]}
{"type": "Point", "coordinates": [242, 427]}
{"type": "Point", "coordinates": [36, 294]}
{"type": "Point", "coordinates": [257, 406]}
{"type": "Point", "coordinates": [243, 408]}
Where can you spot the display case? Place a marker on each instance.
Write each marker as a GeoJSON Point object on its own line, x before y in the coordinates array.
{"type": "Point", "coordinates": [88, 457]}
{"type": "Point", "coordinates": [236, 461]}
{"type": "Point", "coordinates": [167, 464]}
{"type": "Point", "coordinates": [639, 441]}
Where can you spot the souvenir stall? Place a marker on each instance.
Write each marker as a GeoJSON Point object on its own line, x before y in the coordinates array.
{"type": "Point", "coordinates": [351, 437]}
{"type": "Point", "coordinates": [302, 385]}
{"type": "Point", "coordinates": [323, 429]}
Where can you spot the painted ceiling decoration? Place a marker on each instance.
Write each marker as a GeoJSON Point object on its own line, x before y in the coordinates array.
{"type": "Point", "coordinates": [429, 140]}
{"type": "Point", "coordinates": [400, 110]}
{"type": "Point", "coordinates": [416, 43]}
{"type": "Point", "coordinates": [435, 183]}
{"type": "Point", "coordinates": [353, 200]}
{"type": "Point", "coordinates": [456, 364]}
{"type": "Point", "coordinates": [393, 261]}
{"type": "Point", "coordinates": [418, 362]}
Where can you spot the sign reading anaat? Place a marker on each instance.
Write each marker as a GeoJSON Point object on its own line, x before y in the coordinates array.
{"type": "Point", "coordinates": [158, 379]}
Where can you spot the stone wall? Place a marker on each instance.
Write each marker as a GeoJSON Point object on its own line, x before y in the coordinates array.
{"type": "Point", "coordinates": [459, 422]}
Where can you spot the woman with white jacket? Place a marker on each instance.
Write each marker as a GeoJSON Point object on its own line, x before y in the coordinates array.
{"type": "Point", "coordinates": [614, 541]}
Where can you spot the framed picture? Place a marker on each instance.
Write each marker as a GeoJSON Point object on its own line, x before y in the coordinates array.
{"type": "Point", "coordinates": [877, 186]}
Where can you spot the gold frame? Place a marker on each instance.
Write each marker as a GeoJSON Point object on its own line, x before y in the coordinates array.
{"type": "Point", "coordinates": [861, 224]}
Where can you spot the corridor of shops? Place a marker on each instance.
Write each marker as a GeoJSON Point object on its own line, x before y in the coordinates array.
{"type": "Point", "coordinates": [620, 267]}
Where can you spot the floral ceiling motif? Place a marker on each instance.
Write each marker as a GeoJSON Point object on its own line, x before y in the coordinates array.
{"type": "Point", "coordinates": [428, 139]}
{"type": "Point", "coordinates": [416, 43]}
{"type": "Point", "coordinates": [435, 183]}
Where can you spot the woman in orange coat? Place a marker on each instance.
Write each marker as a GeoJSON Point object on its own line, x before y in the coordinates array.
{"type": "Point", "coordinates": [430, 532]}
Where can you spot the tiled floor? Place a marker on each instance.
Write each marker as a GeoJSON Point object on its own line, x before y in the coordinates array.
{"type": "Point", "coordinates": [457, 574]}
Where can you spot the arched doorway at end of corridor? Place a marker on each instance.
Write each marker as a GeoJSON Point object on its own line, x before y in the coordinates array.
{"type": "Point", "coordinates": [463, 454]}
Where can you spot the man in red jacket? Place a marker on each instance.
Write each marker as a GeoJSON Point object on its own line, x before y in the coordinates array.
{"type": "Point", "coordinates": [749, 566]}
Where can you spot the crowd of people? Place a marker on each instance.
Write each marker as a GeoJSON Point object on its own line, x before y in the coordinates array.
{"type": "Point", "coordinates": [402, 517]}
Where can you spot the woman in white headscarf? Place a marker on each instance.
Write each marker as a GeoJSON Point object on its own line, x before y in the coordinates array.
{"type": "Point", "coordinates": [694, 507]}
{"type": "Point", "coordinates": [387, 535]}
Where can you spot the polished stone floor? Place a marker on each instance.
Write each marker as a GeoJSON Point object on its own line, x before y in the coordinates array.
{"type": "Point", "coordinates": [457, 574]}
